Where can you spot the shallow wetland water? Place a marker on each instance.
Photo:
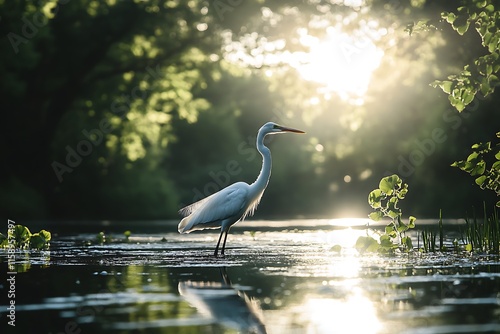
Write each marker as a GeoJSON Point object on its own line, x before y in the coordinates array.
{"type": "Point", "coordinates": [276, 277]}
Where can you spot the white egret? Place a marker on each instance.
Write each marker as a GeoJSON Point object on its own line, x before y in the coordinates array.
{"type": "Point", "coordinates": [233, 203]}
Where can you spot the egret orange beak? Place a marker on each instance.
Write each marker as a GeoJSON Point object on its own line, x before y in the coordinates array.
{"type": "Point", "coordinates": [285, 129]}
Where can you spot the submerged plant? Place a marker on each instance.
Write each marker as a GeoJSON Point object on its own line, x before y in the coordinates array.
{"type": "Point", "coordinates": [385, 201]}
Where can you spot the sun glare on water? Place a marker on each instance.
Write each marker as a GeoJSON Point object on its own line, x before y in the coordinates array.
{"type": "Point", "coordinates": [342, 63]}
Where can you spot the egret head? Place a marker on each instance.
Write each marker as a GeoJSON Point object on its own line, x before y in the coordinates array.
{"type": "Point", "coordinates": [273, 128]}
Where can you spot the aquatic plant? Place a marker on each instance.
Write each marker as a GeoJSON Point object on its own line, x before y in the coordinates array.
{"type": "Point", "coordinates": [482, 236]}
{"type": "Point", "coordinates": [385, 201]}
{"type": "Point", "coordinates": [429, 238]}
{"type": "Point", "coordinates": [106, 238]}
{"type": "Point", "coordinates": [21, 237]}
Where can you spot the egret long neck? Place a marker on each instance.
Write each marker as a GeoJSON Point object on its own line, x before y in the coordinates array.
{"type": "Point", "coordinates": [260, 184]}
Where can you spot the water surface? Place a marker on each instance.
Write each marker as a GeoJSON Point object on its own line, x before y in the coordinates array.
{"type": "Point", "coordinates": [276, 277]}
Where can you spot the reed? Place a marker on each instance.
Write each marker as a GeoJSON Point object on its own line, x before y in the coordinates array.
{"type": "Point", "coordinates": [482, 235]}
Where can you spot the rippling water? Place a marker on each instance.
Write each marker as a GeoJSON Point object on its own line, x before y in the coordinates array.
{"type": "Point", "coordinates": [276, 278]}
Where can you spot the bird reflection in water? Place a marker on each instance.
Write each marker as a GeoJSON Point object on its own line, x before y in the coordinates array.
{"type": "Point", "coordinates": [224, 304]}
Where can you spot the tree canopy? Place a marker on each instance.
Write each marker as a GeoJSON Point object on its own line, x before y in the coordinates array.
{"type": "Point", "coordinates": [131, 109]}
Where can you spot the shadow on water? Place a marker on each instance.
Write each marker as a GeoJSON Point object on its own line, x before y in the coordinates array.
{"type": "Point", "coordinates": [276, 280]}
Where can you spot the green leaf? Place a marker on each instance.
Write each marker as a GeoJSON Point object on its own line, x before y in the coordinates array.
{"type": "Point", "coordinates": [389, 183]}
{"type": "Point", "coordinates": [449, 17]}
{"type": "Point", "coordinates": [480, 180]}
{"type": "Point", "coordinates": [487, 38]}
{"type": "Point", "coordinates": [498, 204]}
{"type": "Point", "coordinates": [461, 25]}
{"type": "Point", "coordinates": [473, 157]}
{"type": "Point", "coordinates": [3, 238]}
{"type": "Point", "coordinates": [393, 213]}
{"type": "Point", "coordinates": [366, 244]}
{"type": "Point", "coordinates": [457, 103]}
{"type": "Point", "coordinates": [375, 197]}
{"type": "Point", "coordinates": [468, 96]}
{"type": "Point", "coordinates": [406, 241]}
{"type": "Point", "coordinates": [386, 242]}
{"type": "Point", "coordinates": [402, 193]}
{"type": "Point", "coordinates": [402, 227]}
{"type": "Point", "coordinates": [481, 4]}
{"type": "Point", "coordinates": [468, 248]}
{"type": "Point", "coordinates": [37, 241]}
{"type": "Point", "coordinates": [376, 216]}
{"type": "Point", "coordinates": [490, 8]}
{"type": "Point", "coordinates": [411, 223]}
{"type": "Point", "coordinates": [482, 147]}
{"type": "Point", "coordinates": [389, 230]}
{"type": "Point", "coordinates": [485, 87]}
{"type": "Point", "coordinates": [45, 234]}
{"type": "Point", "coordinates": [336, 248]}
{"type": "Point", "coordinates": [493, 44]}
{"type": "Point", "coordinates": [21, 235]}
{"type": "Point", "coordinates": [446, 86]}
{"type": "Point", "coordinates": [479, 168]}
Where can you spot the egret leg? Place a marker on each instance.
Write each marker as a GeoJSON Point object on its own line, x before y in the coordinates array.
{"type": "Point", "coordinates": [218, 242]}
{"type": "Point", "coordinates": [224, 244]}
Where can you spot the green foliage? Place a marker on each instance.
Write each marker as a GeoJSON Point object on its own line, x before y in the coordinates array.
{"type": "Point", "coordinates": [336, 248]}
{"type": "Point", "coordinates": [21, 235]}
{"type": "Point", "coordinates": [420, 26]}
{"type": "Point", "coordinates": [127, 235]}
{"type": "Point", "coordinates": [3, 241]}
{"type": "Point", "coordinates": [429, 238]}
{"type": "Point", "coordinates": [385, 201]}
{"type": "Point", "coordinates": [483, 236]}
{"type": "Point", "coordinates": [480, 236]}
{"type": "Point", "coordinates": [40, 240]}
{"type": "Point", "coordinates": [100, 238]}
{"type": "Point", "coordinates": [476, 164]}
{"type": "Point", "coordinates": [367, 244]}
{"type": "Point", "coordinates": [22, 238]}
{"type": "Point", "coordinates": [482, 76]}
{"type": "Point", "coordinates": [165, 87]}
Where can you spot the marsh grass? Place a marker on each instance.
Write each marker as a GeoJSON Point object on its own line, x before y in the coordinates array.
{"type": "Point", "coordinates": [429, 237]}
{"type": "Point", "coordinates": [479, 235]}
{"type": "Point", "coordinates": [482, 235]}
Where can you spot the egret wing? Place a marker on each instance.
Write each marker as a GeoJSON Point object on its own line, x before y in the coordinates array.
{"type": "Point", "coordinates": [228, 203]}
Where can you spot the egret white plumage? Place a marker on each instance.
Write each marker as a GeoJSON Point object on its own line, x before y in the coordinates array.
{"type": "Point", "coordinates": [233, 203]}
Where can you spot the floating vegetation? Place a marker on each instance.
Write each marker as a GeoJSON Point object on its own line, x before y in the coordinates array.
{"type": "Point", "coordinates": [20, 237]}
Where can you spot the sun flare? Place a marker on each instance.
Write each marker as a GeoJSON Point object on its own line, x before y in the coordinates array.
{"type": "Point", "coordinates": [353, 314]}
{"type": "Point", "coordinates": [342, 63]}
